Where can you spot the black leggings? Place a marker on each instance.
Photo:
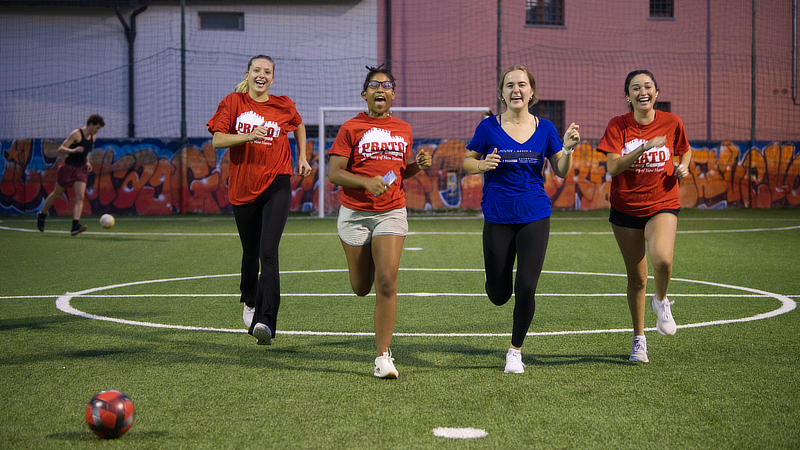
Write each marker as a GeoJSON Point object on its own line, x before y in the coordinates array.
{"type": "Point", "coordinates": [260, 224]}
{"type": "Point", "coordinates": [527, 243]}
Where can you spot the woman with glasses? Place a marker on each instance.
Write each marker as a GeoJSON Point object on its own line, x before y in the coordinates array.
{"type": "Point", "coordinates": [509, 150]}
{"type": "Point", "coordinates": [254, 125]}
{"type": "Point", "coordinates": [370, 159]}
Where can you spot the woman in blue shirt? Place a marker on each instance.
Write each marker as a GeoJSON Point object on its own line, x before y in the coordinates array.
{"type": "Point", "coordinates": [510, 150]}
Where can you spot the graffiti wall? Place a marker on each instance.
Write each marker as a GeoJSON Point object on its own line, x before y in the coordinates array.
{"type": "Point", "coordinates": [150, 176]}
{"type": "Point", "coordinates": [723, 175]}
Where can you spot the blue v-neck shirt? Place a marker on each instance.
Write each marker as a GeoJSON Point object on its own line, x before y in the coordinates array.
{"type": "Point", "coordinates": [514, 191]}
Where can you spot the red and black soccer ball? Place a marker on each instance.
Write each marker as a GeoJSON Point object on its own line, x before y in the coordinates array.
{"type": "Point", "coordinates": [109, 414]}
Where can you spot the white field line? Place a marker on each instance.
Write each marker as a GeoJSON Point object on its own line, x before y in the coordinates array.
{"type": "Point", "coordinates": [412, 233]}
{"type": "Point", "coordinates": [63, 304]}
{"type": "Point", "coordinates": [399, 294]}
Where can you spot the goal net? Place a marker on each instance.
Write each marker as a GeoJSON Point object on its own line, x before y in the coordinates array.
{"type": "Point", "coordinates": [64, 60]}
{"type": "Point", "coordinates": [157, 70]}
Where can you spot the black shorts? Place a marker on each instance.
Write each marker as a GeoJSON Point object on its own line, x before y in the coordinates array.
{"type": "Point", "coordinates": [627, 221]}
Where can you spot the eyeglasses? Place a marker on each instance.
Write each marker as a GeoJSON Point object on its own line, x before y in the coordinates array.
{"type": "Point", "coordinates": [386, 84]}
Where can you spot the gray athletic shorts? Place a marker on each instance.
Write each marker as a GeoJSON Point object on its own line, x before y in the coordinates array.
{"type": "Point", "coordinates": [357, 228]}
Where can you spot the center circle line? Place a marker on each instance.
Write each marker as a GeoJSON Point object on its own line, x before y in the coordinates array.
{"type": "Point", "coordinates": [63, 304]}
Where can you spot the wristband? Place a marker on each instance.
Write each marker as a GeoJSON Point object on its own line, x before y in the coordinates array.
{"type": "Point", "coordinates": [566, 151]}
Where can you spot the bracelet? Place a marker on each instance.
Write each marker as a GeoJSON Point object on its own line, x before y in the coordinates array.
{"type": "Point", "coordinates": [567, 152]}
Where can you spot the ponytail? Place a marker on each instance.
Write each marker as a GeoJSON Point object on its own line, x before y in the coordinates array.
{"type": "Point", "coordinates": [242, 87]}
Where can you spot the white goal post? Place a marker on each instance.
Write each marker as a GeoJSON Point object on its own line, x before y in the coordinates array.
{"type": "Point", "coordinates": [321, 149]}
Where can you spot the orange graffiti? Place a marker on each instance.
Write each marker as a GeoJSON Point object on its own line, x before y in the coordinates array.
{"type": "Point", "coordinates": [131, 177]}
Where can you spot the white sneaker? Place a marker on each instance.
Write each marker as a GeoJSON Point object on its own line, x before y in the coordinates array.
{"type": "Point", "coordinates": [514, 362]}
{"type": "Point", "coordinates": [639, 349]}
{"type": "Point", "coordinates": [665, 324]}
{"type": "Point", "coordinates": [263, 334]}
{"type": "Point", "coordinates": [384, 366]}
{"type": "Point", "coordinates": [248, 314]}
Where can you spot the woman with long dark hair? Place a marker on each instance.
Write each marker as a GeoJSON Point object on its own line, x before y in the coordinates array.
{"type": "Point", "coordinates": [639, 148]}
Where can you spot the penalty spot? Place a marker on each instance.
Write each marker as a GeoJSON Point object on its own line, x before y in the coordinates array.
{"type": "Point", "coordinates": [459, 433]}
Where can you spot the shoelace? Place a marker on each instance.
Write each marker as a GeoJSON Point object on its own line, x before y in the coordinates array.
{"type": "Point", "coordinates": [638, 346]}
{"type": "Point", "coordinates": [666, 309]}
{"type": "Point", "coordinates": [517, 357]}
{"type": "Point", "coordinates": [663, 307]}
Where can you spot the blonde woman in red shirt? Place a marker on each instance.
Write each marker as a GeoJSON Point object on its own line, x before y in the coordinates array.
{"type": "Point", "coordinates": [369, 159]}
{"type": "Point", "coordinates": [640, 147]}
{"type": "Point", "coordinates": [254, 125]}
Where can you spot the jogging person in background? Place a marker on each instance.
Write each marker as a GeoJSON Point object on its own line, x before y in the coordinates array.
{"type": "Point", "coordinates": [368, 160]}
{"type": "Point", "coordinates": [639, 148]}
{"type": "Point", "coordinates": [510, 150]}
{"type": "Point", "coordinates": [254, 125]}
{"type": "Point", "coordinates": [74, 172]}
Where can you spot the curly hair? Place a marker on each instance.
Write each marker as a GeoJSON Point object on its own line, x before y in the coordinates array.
{"type": "Point", "coordinates": [384, 69]}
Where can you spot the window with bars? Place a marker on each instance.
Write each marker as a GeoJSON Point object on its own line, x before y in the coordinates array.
{"type": "Point", "coordinates": [663, 106]}
{"type": "Point", "coordinates": [221, 21]}
{"type": "Point", "coordinates": [552, 110]}
{"type": "Point", "coordinates": [662, 9]}
{"type": "Point", "coordinates": [544, 12]}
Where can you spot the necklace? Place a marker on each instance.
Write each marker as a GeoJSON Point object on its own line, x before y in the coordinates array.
{"type": "Point", "coordinates": [640, 127]}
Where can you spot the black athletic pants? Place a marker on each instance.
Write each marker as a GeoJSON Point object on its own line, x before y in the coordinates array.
{"type": "Point", "coordinates": [527, 243]}
{"type": "Point", "coordinates": [260, 224]}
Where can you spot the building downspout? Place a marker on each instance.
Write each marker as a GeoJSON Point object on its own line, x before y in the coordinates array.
{"type": "Point", "coordinates": [794, 52]}
{"type": "Point", "coordinates": [130, 35]}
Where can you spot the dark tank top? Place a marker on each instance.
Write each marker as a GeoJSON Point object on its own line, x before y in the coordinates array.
{"type": "Point", "coordinates": [79, 159]}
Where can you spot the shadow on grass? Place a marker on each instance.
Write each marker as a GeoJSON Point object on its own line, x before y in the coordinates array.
{"type": "Point", "coordinates": [100, 353]}
{"type": "Point", "coordinates": [480, 353]}
{"type": "Point", "coordinates": [67, 338]}
{"type": "Point", "coordinates": [62, 231]}
{"type": "Point", "coordinates": [88, 436]}
{"type": "Point", "coordinates": [560, 360]}
{"type": "Point", "coordinates": [82, 339]}
{"type": "Point", "coordinates": [36, 323]}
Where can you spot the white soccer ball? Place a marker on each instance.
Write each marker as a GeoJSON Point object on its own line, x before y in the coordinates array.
{"type": "Point", "coordinates": [107, 221]}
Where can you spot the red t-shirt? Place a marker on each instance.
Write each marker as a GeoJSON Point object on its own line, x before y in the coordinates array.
{"type": "Point", "coordinates": [374, 147]}
{"type": "Point", "coordinates": [254, 165]}
{"type": "Point", "coordinates": [649, 184]}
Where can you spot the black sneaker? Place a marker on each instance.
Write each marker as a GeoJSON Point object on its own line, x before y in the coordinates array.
{"type": "Point", "coordinates": [40, 221]}
{"type": "Point", "coordinates": [78, 229]}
